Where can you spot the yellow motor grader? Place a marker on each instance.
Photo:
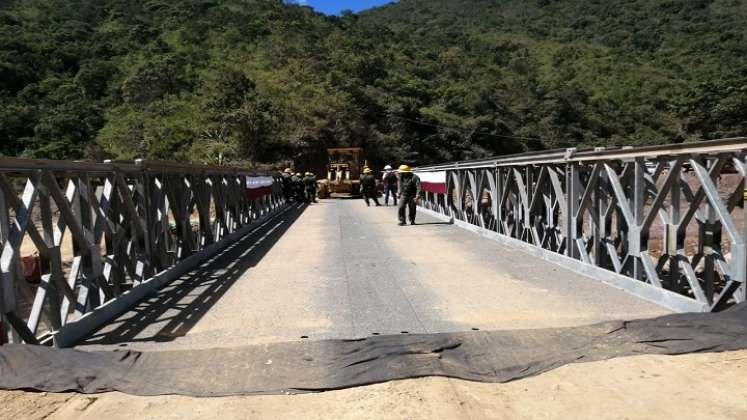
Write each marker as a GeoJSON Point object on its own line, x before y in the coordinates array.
{"type": "Point", "coordinates": [343, 173]}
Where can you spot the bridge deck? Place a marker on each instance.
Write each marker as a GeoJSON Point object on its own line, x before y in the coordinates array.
{"type": "Point", "coordinates": [340, 270]}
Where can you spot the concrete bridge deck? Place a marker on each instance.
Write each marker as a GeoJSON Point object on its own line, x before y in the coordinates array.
{"type": "Point", "coordinates": [338, 269]}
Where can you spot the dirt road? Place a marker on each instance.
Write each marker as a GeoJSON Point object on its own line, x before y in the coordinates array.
{"type": "Point", "coordinates": [699, 386]}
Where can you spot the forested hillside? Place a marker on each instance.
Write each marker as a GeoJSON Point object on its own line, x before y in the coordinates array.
{"type": "Point", "coordinates": [253, 81]}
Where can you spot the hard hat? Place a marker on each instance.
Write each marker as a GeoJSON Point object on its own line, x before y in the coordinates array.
{"type": "Point", "coordinates": [298, 174]}
{"type": "Point", "coordinates": [388, 168]}
{"type": "Point", "coordinates": [288, 171]}
{"type": "Point", "coordinates": [367, 171]}
{"type": "Point", "coordinates": [404, 169]}
{"type": "Point", "coordinates": [309, 174]}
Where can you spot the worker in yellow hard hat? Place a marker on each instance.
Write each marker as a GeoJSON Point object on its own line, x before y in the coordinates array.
{"type": "Point", "coordinates": [409, 193]}
{"type": "Point", "coordinates": [368, 187]}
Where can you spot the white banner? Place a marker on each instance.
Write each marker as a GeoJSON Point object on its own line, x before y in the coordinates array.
{"type": "Point", "coordinates": [438, 177]}
{"type": "Point", "coordinates": [255, 182]}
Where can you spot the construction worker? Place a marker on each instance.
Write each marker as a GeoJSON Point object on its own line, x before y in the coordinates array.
{"type": "Point", "coordinates": [309, 182]}
{"type": "Point", "coordinates": [287, 184]}
{"type": "Point", "coordinates": [298, 192]}
{"type": "Point", "coordinates": [368, 187]}
{"type": "Point", "coordinates": [410, 193]}
{"type": "Point", "coordinates": [390, 181]}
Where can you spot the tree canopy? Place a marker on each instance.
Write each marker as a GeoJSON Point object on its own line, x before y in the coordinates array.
{"type": "Point", "coordinates": [258, 81]}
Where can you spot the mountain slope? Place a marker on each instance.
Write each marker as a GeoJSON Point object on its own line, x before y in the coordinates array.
{"type": "Point", "coordinates": [252, 81]}
{"type": "Point", "coordinates": [634, 71]}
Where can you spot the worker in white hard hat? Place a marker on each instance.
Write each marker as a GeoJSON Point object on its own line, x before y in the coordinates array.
{"type": "Point", "coordinates": [390, 181]}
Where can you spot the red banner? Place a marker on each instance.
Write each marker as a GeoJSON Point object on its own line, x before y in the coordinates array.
{"type": "Point", "coordinates": [255, 193]}
{"type": "Point", "coordinates": [433, 182]}
{"type": "Point", "coordinates": [433, 187]}
{"type": "Point", "coordinates": [258, 186]}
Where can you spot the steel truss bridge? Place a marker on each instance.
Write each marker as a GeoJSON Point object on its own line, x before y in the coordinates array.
{"type": "Point", "coordinates": [665, 223]}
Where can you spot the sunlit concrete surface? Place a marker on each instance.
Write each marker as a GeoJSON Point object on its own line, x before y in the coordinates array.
{"type": "Point", "coordinates": [339, 269]}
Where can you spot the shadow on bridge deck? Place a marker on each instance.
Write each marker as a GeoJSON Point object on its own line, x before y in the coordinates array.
{"type": "Point", "coordinates": [347, 271]}
{"type": "Point", "coordinates": [434, 223]}
{"type": "Point", "coordinates": [178, 307]}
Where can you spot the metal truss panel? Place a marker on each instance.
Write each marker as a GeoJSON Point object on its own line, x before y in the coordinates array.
{"type": "Point", "coordinates": [78, 240]}
{"type": "Point", "coordinates": [671, 218]}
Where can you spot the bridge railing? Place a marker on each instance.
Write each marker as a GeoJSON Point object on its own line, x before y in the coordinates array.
{"type": "Point", "coordinates": [664, 222]}
{"type": "Point", "coordinates": [78, 238]}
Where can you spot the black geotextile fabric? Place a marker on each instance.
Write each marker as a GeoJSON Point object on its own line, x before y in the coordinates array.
{"type": "Point", "coordinates": [497, 356]}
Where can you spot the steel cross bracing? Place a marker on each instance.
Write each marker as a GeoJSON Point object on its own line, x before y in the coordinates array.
{"type": "Point", "coordinates": [101, 230]}
{"type": "Point", "coordinates": [672, 216]}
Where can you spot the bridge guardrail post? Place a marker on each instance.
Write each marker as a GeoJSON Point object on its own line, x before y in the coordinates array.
{"type": "Point", "coordinates": [143, 188]}
{"type": "Point", "coordinates": [573, 195]}
{"type": "Point", "coordinates": [739, 254]}
{"type": "Point", "coordinates": [7, 293]}
{"type": "Point", "coordinates": [635, 235]}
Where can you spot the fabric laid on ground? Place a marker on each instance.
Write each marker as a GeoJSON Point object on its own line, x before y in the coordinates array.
{"type": "Point", "coordinates": [497, 356]}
